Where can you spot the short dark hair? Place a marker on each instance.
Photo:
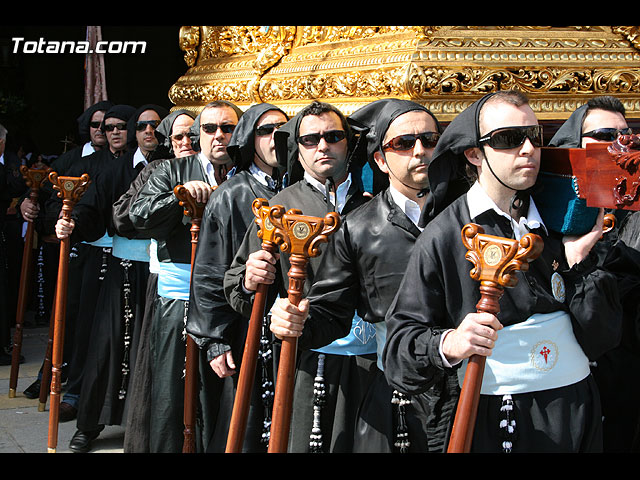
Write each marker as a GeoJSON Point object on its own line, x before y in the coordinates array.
{"type": "Point", "coordinates": [318, 108]}
{"type": "Point", "coordinates": [606, 102]}
{"type": "Point", "coordinates": [513, 97]}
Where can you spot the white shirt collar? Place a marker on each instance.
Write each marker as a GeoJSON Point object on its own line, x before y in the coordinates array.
{"type": "Point", "coordinates": [87, 149]}
{"type": "Point", "coordinates": [479, 202]}
{"type": "Point", "coordinates": [139, 157]}
{"type": "Point", "coordinates": [410, 208]}
{"type": "Point", "coordinates": [342, 190]}
{"type": "Point", "coordinates": [261, 176]}
{"type": "Point", "coordinates": [207, 166]}
{"type": "Point", "coordinates": [2, 159]}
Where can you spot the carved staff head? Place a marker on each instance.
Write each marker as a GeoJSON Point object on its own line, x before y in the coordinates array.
{"type": "Point", "coordinates": [34, 178]}
{"type": "Point", "coordinates": [496, 259]}
{"type": "Point", "coordinates": [70, 189]}
{"type": "Point", "coordinates": [192, 208]}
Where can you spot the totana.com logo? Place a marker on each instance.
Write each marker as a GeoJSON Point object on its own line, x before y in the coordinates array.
{"type": "Point", "coordinates": [20, 45]}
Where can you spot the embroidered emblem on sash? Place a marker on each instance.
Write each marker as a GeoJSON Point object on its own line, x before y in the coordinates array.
{"type": "Point", "coordinates": [544, 355]}
{"type": "Point", "coordinates": [557, 287]}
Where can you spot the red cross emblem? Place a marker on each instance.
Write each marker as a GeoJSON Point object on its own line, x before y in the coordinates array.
{"type": "Point", "coordinates": [545, 353]}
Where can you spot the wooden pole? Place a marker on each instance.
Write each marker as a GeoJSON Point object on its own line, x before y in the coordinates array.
{"type": "Point", "coordinates": [194, 210]}
{"type": "Point", "coordinates": [496, 260]}
{"type": "Point", "coordinates": [34, 178]}
{"type": "Point", "coordinates": [70, 189]}
{"type": "Point", "coordinates": [299, 236]}
{"type": "Point", "coordinates": [242, 400]}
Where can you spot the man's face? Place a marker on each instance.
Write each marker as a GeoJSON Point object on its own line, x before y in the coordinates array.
{"type": "Point", "coordinates": [325, 159]}
{"type": "Point", "coordinates": [267, 124]}
{"type": "Point", "coordinates": [216, 128]}
{"type": "Point", "coordinates": [598, 118]}
{"type": "Point", "coordinates": [517, 167]}
{"type": "Point", "coordinates": [145, 128]}
{"type": "Point", "coordinates": [407, 169]}
{"type": "Point", "coordinates": [180, 139]}
{"type": "Point", "coordinates": [116, 133]}
{"type": "Point", "coordinates": [96, 135]}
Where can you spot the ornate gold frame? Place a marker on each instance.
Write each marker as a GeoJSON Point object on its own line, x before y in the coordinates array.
{"type": "Point", "coordinates": [446, 68]}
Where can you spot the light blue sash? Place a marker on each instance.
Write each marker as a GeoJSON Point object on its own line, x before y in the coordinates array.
{"type": "Point", "coordinates": [540, 353]}
{"type": "Point", "coordinates": [130, 249]}
{"type": "Point", "coordinates": [174, 280]}
{"type": "Point", "coordinates": [361, 340]}
{"type": "Point", "coordinates": [105, 242]}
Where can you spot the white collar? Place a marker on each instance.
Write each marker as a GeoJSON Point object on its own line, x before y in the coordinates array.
{"type": "Point", "coordinates": [479, 202]}
{"type": "Point", "coordinates": [261, 176]}
{"type": "Point", "coordinates": [87, 149]}
{"type": "Point", "coordinates": [207, 166]}
{"type": "Point", "coordinates": [410, 207]}
{"type": "Point", "coordinates": [139, 157]}
{"type": "Point", "coordinates": [2, 159]}
{"type": "Point", "coordinates": [342, 190]}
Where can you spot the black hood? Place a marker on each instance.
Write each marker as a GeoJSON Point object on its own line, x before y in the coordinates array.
{"type": "Point", "coordinates": [131, 124]}
{"type": "Point", "coordinates": [85, 119]}
{"type": "Point", "coordinates": [287, 147]}
{"type": "Point", "coordinates": [447, 167]}
{"type": "Point", "coordinates": [569, 135]}
{"type": "Point", "coordinates": [241, 147]}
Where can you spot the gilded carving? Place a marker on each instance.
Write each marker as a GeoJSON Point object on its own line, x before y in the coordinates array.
{"type": "Point", "coordinates": [444, 67]}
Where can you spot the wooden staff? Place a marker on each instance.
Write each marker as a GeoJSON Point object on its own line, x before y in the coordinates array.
{"type": "Point", "coordinates": [495, 261]}
{"type": "Point", "coordinates": [34, 178]}
{"type": "Point", "coordinates": [240, 412]}
{"type": "Point", "coordinates": [300, 236]}
{"type": "Point", "coordinates": [192, 209]}
{"type": "Point", "coordinates": [70, 189]}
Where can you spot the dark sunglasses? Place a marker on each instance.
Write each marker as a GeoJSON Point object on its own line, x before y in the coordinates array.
{"type": "Point", "coordinates": [607, 134]}
{"type": "Point", "coordinates": [95, 124]}
{"type": "Point", "coordinates": [178, 137]}
{"type": "Point", "coordinates": [142, 124]}
{"type": "Point", "coordinates": [406, 142]}
{"type": "Point", "coordinates": [512, 137]}
{"type": "Point", "coordinates": [313, 139]}
{"type": "Point", "coordinates": [112, 126]}
{"type": "Point", "coordinates": [213, 127]}
{"type": "Point", "coordinates": [268, 128]}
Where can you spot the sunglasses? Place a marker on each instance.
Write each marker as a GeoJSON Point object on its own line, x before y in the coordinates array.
{"type": "Point", "coordinates": [268, 128]}
{"type": "Point", "coordinates": [112, 126]}
{"type": "Point", "coordinates": [213, 127]}
{"type": "Point", "coordinates": [313, 139]}
{"type": "Point", "coordinates": [406, 142]}
{"type": "Point", "coordinates": [95, 124]}
{"type": "Point", "coordinates": [512, 137]}
{"type": "Point", "coordinates": [142, 124]}
{"type": "Point", "coordinates": [178, 137]}
{"type": "Point", "coordinates": [607, 134]}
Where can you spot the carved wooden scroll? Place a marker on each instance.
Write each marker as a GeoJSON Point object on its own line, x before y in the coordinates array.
{"type": "Point", "coordinates": [495, 260]}
{"type": "Point", "coordinates": [194, 210]}
{"type": "Point", "coordinates": [70, 189]}
{"type": "Point", "coordinates": [238, 425]}
{"type": "Point", "coordinates": [300, 236]}
{"type": "Point", "coordinates": [34, 179]}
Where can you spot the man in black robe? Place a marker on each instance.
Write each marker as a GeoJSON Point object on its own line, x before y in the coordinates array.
{"type": "Point", "coordinates": [87, 260]}
{"type": "Point", "coordinates": [121, 302]}
{"type": "Point", "coordinates": [215, 326]}
{"type": "Point", "coordinates": [602, 119]}
{"type": "Point", "coordinates": [175, 140]}
{"type": "Point", "coordinates": [156, 212]}
{"type": "Point", "coordinates": [537, 392]}
{"type": "Point", "coordinates": [319, 148]}
{"type": "Point", "coordinates": [364, 263]}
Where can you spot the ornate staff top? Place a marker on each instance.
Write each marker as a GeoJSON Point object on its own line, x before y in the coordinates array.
{"type": "Point", "coordinates": [192, 208]}
{"type": "Point", "coordinates": [70, 189]}
{"type": "Point", "coordinates": [34, 177]}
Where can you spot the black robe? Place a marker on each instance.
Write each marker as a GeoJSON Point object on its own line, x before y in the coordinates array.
{"type": "Point", "coordinates": [437, 292]}
{"type": "Point", "coordinates": [119, 307]}
{"type": "Point", "coordinates": [346, 377]}
{"type": "Point", "coordinates": [361, 270]}
{"type": "Point", "coordinates": [156, 212]}
{"type": "Point", "coordinates": [213, 324]}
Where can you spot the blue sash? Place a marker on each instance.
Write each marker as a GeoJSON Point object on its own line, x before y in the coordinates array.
{"type": "Point", "coordinates": [130, 249]}
{"type": "Point", "coordinates": [361, 340]}
{"type": "Point", "coordinates": [104, 242]}
{"type": "Point", "coordinates": [174, 280]}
